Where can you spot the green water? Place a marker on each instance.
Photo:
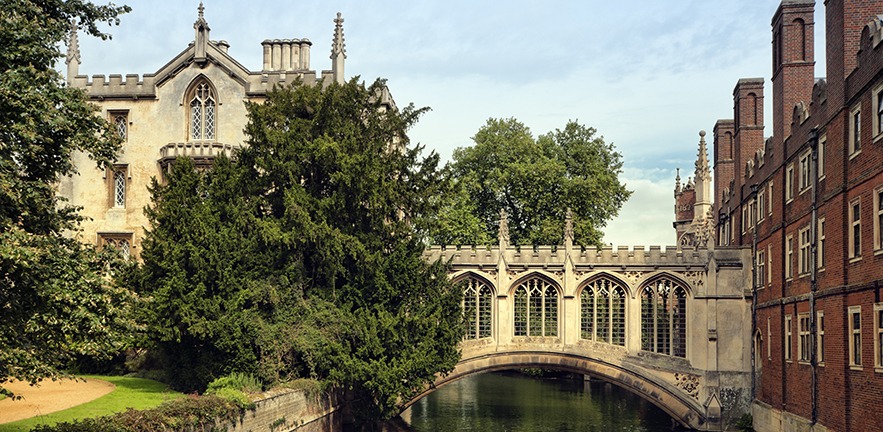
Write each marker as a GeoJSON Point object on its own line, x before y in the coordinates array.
{"type": "Point", "coordinates": [515, 402]}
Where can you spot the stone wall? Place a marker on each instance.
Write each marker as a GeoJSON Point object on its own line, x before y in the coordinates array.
{"type": "Point", "coordinates": [293, 410]}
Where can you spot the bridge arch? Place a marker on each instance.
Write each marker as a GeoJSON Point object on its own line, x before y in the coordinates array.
{"type": "Point", "coordinates": [684, 410]}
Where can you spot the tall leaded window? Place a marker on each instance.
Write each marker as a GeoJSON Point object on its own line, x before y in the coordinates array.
{"type": "Point", "coordinates": [119, 188]}
{"type": "Point", "coordinates": [477, 308]}
{"type": "Point", "coordinates": [664, 317]}
{"type": "Point", "coordinates": [536, 308]}
{"type": "Point", "coordinates": [120, 120]}
{"type": "Point", "coordinates": [602, 306]}
{"type": "Point", "coordinates": [202, 111]}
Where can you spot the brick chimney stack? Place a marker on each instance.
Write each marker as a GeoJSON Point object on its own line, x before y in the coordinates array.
{"type": "Point", "coordinates": [793, 62]}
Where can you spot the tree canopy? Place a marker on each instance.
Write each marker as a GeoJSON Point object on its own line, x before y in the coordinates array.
{"type": "Point", "coordinates": [535, 181]}
{"type": "Point", "coordinates": [299, 257]}
{"type": "Point", "coordinates": [56, 299]}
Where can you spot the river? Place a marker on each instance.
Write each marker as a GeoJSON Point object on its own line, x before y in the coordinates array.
{"type": "Point", "coordinates": [516, 402]}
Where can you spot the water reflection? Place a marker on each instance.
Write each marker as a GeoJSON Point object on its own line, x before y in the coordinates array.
{"type": "Point", "coordinates": [514, 402]}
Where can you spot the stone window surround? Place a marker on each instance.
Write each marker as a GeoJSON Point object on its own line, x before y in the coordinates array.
{"type": "Point", "coordinates": [855, 137]}
{"type": "Point", "coordinates": [855, 334]}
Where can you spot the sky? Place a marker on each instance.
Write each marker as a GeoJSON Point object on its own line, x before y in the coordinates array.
{"type": "Point", "coordinates": [647, 74]}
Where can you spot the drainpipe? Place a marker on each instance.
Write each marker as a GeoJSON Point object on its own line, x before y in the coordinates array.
{"type": "Point", "coordinates": [813, 260]}
{"type": "Point", "coordinates": [754, 188]}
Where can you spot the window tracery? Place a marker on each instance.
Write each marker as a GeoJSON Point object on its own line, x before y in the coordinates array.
{"type": "Point", "coordinates": [477, 308]}
{"type": "Point", "coordinates": [202, 104]}
{"type": "Point", "coordinates": [536, 308]}
{"type": "Point", "coordinates": [664, 317]}
{"type": "Point", "coordinates": [602, 304]}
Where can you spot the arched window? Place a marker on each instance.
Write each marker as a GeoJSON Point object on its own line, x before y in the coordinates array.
{"type": "Point", "coordinates": [201, 101]}
{"type": "Point", "coordinates": [602, 304]}
{"type": "Point", "coordinates": [536, 308]}
{"type": "Point", "coordinates": [664, 317]}
{"type": "Point", "coordinates": [477, 308]}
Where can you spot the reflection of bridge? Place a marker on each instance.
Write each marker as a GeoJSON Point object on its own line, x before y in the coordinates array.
{"type": "Point", "coordinates": [666, 325]}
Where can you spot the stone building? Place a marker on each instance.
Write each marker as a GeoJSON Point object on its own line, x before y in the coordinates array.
{"type": "Point", "coordinates": [808, 203]}
{"type": "Point", "coordinates": [193, 106]}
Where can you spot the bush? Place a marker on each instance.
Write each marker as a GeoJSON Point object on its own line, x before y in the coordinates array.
{"type": "Point", "coordinates": [238, 381]}
{"type": "Point", "coordinates": [190, 414]}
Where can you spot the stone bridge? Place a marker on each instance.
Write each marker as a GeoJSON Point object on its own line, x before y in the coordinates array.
{"type": "Point", "coordinates": [668, 325]}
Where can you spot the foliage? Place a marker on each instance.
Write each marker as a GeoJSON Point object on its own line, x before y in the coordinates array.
{"type": "Point", "coordinates": [300, 258]}
{"type": "Point", "coordinates": [128, 392]}
{"type": "Point", "coordinates": [535, 181]}
{"type": "Point", "coordinates": [188, 414]}
{"type": "Point", "coordinates": [236, 380]}
{"type": "Point", "coordinates": [57, 301]}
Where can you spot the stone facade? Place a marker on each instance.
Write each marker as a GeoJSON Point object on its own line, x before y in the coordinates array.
{"type": "Point", "coordinates": [193, 106]}
{"type": "Point", "coordinates": [807, 203]}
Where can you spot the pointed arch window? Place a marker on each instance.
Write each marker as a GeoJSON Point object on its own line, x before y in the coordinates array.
{"type": "Point", "coordinates": [602, 306]}
{"type": "Point", "coordinates": [664, 317]}
{"type": "Point", "coordinates": [536, 308]}
{"type": "Point", "coordinates": [202, 104]}
{"type": "Point", "coordinates": [477, 308]}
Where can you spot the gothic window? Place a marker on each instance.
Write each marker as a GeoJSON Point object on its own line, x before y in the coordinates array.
{"type": "Point", "coordinates": [477, 308]}
{"type": "Point", "coordinates": [602, 304]}
{"type": "Point", "coordinates": [117, 183]}
{"type": "Point", "coordinates": [202, 102]}
{"type": "Point", "coordinates": [536, 308]}
{"type": "Point", "coordinates": [122, 242]}
{"type": "Point", "coordinates": [120, 121]}
{"type": "Point", "coordinates": [664, 317]}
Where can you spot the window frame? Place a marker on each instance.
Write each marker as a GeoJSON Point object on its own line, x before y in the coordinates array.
{"type": "Point", "coordinates": [822, 149]}
{"type": "Point", "coordinates": [877, 211]}
{"type": "Point", "coordinates": [761, 205]}
{"type": "Point", "coordinates": [111, 175]}
{"type": "Point", "coordinates": [770, 198]}
{"type": "Point", "coordinates": [878, 337]}
{"type": "Point", "coordinates": [804, 263]}
{"type": "Point", "coordinates": [820, 338]}
{"type": "Point", "coordinates": [820, 244]}
{"type": "Point", "coordinates": [789, 183]}
{"type": "Point", "coordinates": [789, 257]}
{"type": "Point", "coordinates": [804, 177]}
{"type": "Point", "coordinates": [804, 344]}
{"type": "Point", "coordinates": [114, 117]}
{"type": "Point", "coordinates": [854, 233]}
{"type": "Point", "coordinates": [207, 118]}
{"type": "Point", "coordinates": [877, 110]}
{"type": "Point", "coordinates": [788, 340]}
{"type": "Point", "coordinates": [855, 337]}
{"type": "Point", "coordinates": [105, 239]}
{"type": "Point", "coordinates": [855, 131]}
{"type": "Point", "coordinates": [760, 276]}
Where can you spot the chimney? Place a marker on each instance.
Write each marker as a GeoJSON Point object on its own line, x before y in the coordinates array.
{"type": "Point", "coordinates": [844, 21]}
{"type": "Point", "coordinates": [748, 114]}
{"type": "Point", "coordinates": [723, 159]}
{"type": "Point", "coordinates": [793, 63]}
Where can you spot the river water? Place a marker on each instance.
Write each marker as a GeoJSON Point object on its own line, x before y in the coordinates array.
{"type": "Point", "coordinates": [516, 402]}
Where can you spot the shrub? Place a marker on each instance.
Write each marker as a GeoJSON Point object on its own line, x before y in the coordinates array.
{"type": "Point", "coordinates": [237, 381]}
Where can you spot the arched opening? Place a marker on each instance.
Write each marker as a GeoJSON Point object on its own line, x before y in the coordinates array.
{"type": "Point", "coordinates": [602, 311]}
{"type": "Point", "coordinates": [201, 103]}
{"type": "Point", "coordinates": [681, 408]}
{"type": "Point", "coordinates": [477, 307]}
{"type": "Point", "coordinates": [536, 308]}
{"type": "Point", "coordinates": [664, 317]}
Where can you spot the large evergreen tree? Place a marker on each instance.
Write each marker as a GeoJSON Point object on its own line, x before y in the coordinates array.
{"type": "Point", "coordinates": [535, 181]}
{"type": "Point", "coordinates": [56, 300]}
{"type": "Point", "coordinates": [300, 257]}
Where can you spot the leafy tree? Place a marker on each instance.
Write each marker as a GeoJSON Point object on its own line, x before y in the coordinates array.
{"type": "Point", "coordinates": [56, 300]}
{"type": "Point", "coordinates": [535, 181]}
{"type": "Point", "coordinates": [301, 255]}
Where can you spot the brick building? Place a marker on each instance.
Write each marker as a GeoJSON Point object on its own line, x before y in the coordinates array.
{"type": "Point", "coordinates": [808, 203]}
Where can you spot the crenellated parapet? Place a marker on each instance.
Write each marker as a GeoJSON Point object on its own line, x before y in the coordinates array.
{"type": "Point", "coordinates": [114, 86]}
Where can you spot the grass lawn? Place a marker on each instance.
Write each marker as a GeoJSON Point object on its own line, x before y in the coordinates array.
{"type": "Point", "coordinates": [130, 392]}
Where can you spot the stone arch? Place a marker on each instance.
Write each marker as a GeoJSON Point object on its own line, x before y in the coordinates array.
{"type": "Point", "coordinates": [688, 412]}
{"type": "Point", "coordinates": [650, 276]}
{"type": "Point", "coordinates": [581, 284]}
{"type": "Point", "coordinates": [536, 302]}
{"type": "Point", "coordinates": [201, 101]}
{"type": "Point", "coordinates": [478, 305]}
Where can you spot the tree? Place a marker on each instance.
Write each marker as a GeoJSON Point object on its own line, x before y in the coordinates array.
{"type": "Point", "coordinates": [306, 245]}
{"type": "Point", "coordinates": [56, 299]}
{"type": "Point", "coordinates": [535, 181]}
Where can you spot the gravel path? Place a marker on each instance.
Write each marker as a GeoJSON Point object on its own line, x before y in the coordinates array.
{"type": "Point", "coordinates": [49, 396]}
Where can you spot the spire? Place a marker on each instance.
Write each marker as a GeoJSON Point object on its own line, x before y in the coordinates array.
{"type": "Point", "coordinates": [703, 172]}
{"type": "Point", "coordinates": [338, 50]}
{"type": "Point", "coordinates": [202, 35]}
{"type": "Point", "coordinates": [568, 229]}
{"type": "Point", "coordinates": [678, 181]}
{"type": "Point", "coordinates": [73, 53]}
